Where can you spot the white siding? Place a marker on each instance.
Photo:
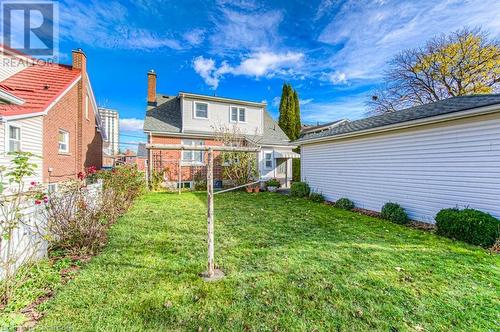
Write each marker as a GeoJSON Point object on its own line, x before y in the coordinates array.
{"type": "Point", "coordinates": [424, 170]}
{"type": "Point", "coordinates": [10, 65]}
{"type": "Point", "coordinates": [218, 114]}
{"type": "Point", "coordinates": [31, 141]}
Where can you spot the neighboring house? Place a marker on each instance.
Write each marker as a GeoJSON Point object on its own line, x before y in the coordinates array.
{"type": "Point", "coordinates": [129, 157]}
{"type": "Point", "coordinates": [111, 145]}
{"type": "Point", "coordinates": [192, 119]}
{"type": "Point", "coordinates": [308, 129]}
{"type": "Point", "coordinates": [50, 111]}
{"type": "Point", "coordinates": [426, 158]}
{"type": "Point", "coordinates": [142, 157]}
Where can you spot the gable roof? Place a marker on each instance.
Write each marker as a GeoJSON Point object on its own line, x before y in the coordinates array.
{"type": "Point", "coordinates": [166, 117]}
{"type": "Point", "coordinates": [442, 107]}
{"type": "Point", "coordinates": [38, 86]}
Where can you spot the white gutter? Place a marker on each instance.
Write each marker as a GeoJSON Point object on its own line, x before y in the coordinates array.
{"type": "Point", "coordinates": [221, 99]}
{"type": "Point", "coordinates": [409, 124]}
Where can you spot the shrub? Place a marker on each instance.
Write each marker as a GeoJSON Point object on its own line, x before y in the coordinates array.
{"type": "Point", "coordinates": [296, 170]}
{"type": "Point", "coordinates": [468, 225]}
{"type": "Point", "coordinates": [317, 197]}
{"type": "Point", "coordinates": [344, 204]}
{"type": "Point", "coordinates": [300, 189]}
{"type": "Point", "coordinates": [74, 222]}
{"type": "Point", "coordinates": [273, 183]}
{"type": "Point", "coordinates": [395, 213]}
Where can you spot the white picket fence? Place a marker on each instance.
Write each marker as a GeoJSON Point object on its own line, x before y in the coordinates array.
{"type": "Point", "coordinates": [28, 241]}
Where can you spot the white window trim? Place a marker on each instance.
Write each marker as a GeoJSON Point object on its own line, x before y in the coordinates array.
{"type": "Point", "coordinates": [58, 142]}
{"type": "Point", "coordinates": [194, 110]}
{"type": "Point", "coordinates": [265, 161]}
{"type": "Point", "coordinates": [237, 114]}
{"type": "Point", "coordinates": [7, 136]}
{"type": "Point", "coordinates": [193, 162]}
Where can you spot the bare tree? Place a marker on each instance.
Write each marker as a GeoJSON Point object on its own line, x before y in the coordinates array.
{"type": "Point", "coordinates": [463, 63]}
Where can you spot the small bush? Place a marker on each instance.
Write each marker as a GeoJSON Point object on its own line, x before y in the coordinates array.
{"type": "Point", "coordinates": [468, 225]}
{"type": "Point", "coordinates": [344, 204]}
{"type": "Point", "coordinates": [317, 197]}
{"type": "Point", "coordinates": [296, 170]}
{"type": "Point", "coordinates": [300, 189]}
{"type": "Point", "coordinates": [273, 183]}
{"type": "Point", "coordinates": [395, 213]}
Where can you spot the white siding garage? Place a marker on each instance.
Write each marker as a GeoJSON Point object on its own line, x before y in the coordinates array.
{"type": "Point", "coordinates": [424, 168]}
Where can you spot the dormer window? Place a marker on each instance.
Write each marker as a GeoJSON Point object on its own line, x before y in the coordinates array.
{"type": "Point", "coordinates": [200, 110]}
{"type": "Point", "coordinates": [238, 114]}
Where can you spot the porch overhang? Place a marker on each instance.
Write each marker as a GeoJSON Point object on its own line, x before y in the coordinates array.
{"type": "Point", "coordinates": [286, 155]}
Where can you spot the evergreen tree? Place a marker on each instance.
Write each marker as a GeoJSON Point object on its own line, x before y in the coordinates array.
{"type": "Point", "coordinates": [289, 119]}
{"type": "Point", "coordinates": [297, 122]}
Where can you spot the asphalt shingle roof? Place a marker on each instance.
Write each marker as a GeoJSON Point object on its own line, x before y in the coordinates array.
{"type": "Point", "coordinates": [166, 117]}
{"type": "Point", "coordinates": [441, 107]}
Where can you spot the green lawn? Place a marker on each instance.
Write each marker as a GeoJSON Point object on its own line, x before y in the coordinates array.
{"type": "Point", "coordinates": [291, 264]}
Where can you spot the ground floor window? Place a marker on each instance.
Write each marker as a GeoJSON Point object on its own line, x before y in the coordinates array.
{"type": "Point", "coordinates": [192, 156]}
{"type": "Point", "coordinates": [268, 158]}
{"type": "Point", "coordinates": [14, 139]}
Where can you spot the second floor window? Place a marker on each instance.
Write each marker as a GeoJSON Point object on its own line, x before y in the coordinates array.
{"type": "Point", "coordinates": [14, 139]}
{"type": "Point", "coordinates": [192, 156]}
{"type": "Point", "coordinates": [201, 110]}
{"type": "Point", "coordinates": [63, 141]}
{"type": "Point", "coordinates": [238, 114]}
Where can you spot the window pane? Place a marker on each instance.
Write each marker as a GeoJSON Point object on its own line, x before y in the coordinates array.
{"type": "Point", "coordinates": [201, 110]}
{"type": "Point", "coordinates": [15, 133]}
{"type": "Point", "coordinates": [242, 114]}
{"type": "Point", "coordinates": [14, 146]}
{"type": "Point", "coordinates": [234, 114]}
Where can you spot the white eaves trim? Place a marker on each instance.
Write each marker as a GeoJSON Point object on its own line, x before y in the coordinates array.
{"type": "Point", "coordinates": [221, 99]}
{"type": "Point", "coordinates": [10, 98]}
{"type": "Point", "coordinates": [100, 128]}
{"type": "Point", "coordinates": [52, 104]}
{"type": "Point", "coordinates": [409, 124]}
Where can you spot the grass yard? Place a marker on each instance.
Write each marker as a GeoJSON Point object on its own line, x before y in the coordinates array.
{"type": "Point", "coordinates": [291, 264]}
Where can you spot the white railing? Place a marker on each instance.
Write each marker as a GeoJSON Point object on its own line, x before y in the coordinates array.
{"type": "Point", "coordinates": [28, 241]}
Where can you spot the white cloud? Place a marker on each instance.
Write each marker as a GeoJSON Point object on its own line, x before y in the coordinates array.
{"type": "Point", "coordinates": [237, 31]}
{"type": "Point", "coordinates": [371, 33]}
{"type": "Point", "coordinates": [131, 124]}
{"type": "Point", "coordinates": [336, 78]}
{"type": "Point", "coordinates": [195, 37]}
{"type": "Point", "coordinates": [267, 63]}
{"type": "Point", "coordinates": [254, 65]}
{"type": "Point", "coordinates": [108, 25]}
{"type": "Point", "coordinates": [305, 101]}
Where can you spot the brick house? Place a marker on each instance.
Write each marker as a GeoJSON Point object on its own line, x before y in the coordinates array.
{"type": "Point", "coordinates": [49, 110]}
{"type": "Point", "coordinates": [192, 119]}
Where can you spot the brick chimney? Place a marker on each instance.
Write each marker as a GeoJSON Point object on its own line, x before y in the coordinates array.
{"type": "Point", "coordinates": [151, 88]}
{"type": "Point", "coordinates": [79, 60]}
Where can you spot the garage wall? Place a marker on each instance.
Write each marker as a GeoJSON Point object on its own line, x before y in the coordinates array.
{"type": "Point", "coordinates": [426, 169]}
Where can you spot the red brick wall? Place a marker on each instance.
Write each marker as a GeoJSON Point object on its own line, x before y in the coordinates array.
{"type": "Point", "coordinates": [168, 160]}
{"type": "Point", "coordinates": [85, 143]}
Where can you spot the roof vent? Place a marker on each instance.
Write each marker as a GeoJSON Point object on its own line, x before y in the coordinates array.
{"type": "Point", "coordinates": [46, 87]}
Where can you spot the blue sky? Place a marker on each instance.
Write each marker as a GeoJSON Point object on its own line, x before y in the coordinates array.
{"type": "Point", "coordinates": [332, 52]}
